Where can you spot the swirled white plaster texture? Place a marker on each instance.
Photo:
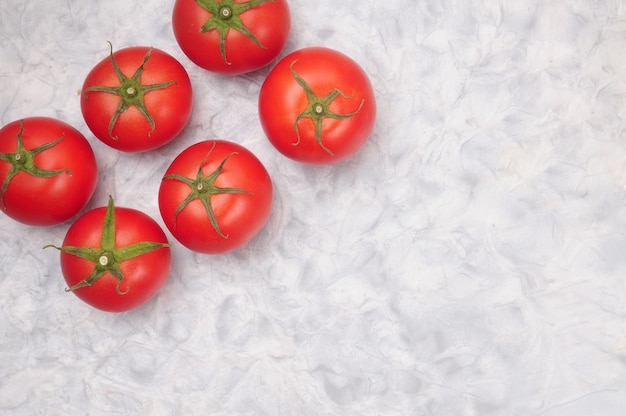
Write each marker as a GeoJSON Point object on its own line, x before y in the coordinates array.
{"type": "Point", "coordinates": [469, 260]}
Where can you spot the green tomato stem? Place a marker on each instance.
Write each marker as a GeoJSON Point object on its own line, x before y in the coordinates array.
{"type": "Point", "coordinates": [108, 258]}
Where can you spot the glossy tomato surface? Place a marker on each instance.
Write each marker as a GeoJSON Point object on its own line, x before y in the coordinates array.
{"type": "Point", "coordinates": [215, 196]}
{"type": "Point", "coordinates": [48, 171]}
{"type": "Point", "coordinates": [143, 274]}
{"type": "Point", "coordinates": [317, 106]}
{"type": "Point", "coordinates": [231, 36]}
{"type": "Point", "coordinates": [137, 99]}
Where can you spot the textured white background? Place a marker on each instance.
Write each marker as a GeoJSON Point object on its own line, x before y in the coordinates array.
{"type": "Point", "coordinates": [470, 260]}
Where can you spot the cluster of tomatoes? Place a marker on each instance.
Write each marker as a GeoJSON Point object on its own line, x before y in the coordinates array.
{"type": "Point", "coordinates": [315, 106]}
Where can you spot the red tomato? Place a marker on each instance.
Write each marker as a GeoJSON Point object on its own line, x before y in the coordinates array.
{"type": "Point", "coordinates": [137, 99]}
{"type": "Point", "coordinates": [317, 106]}
{"type": "Point", "coordinates": [215, 196]}
{"type": "Point", "coordinates": [48, 171]}
{"type": "Point", "coordinates": [231, 36]}
{"type": "Point", "coordinates": [115, 259]}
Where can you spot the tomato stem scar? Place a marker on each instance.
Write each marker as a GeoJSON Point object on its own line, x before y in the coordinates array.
{"type": "Point", "coordinates": [225, 12]}
{"type": "Point", "coordinates": [103, 260]}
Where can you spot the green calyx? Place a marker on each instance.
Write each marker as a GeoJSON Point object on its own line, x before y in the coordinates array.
{"type": "Point", "coordinates": [225, 16]}
{"type": "Point", "coordinates": [318, 110]}
{"type": "Point", "coordinates": [131, 92]}
{"type": "Point", "coordinates": [203, 187]}
{"type": "Point", "coordinates": [23, 160]}
{"type": "Point", "coordinates": [107, 258]}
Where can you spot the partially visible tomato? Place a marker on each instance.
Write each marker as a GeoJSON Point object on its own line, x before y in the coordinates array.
{"type": "Point", "coordinates": [114, 258]}
{"type": "Point", "coordinates": [215, 196]}
{"type": "Point", "coordinates": [317, 106]}
{"type": "Point", "coordinates": [231, 36]}
{"type": "Point", "coordinates": [48, 171]}
{"type": "Point", "coordinates": [137, 99]}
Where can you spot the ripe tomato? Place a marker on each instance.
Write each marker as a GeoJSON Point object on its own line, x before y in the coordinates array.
{"type": "Point", "coordinates": [215, 196]}
{"type": "Point", "coordinates": [317, 106]}
{"type": "Point", "coordinates": [115, 259]}
{"type": "Point", "coordinates": [137, 99]}
{"type": "Point", "coordinates": [48, 171]}
{"type": "Point", "coordinates": [231, 36]}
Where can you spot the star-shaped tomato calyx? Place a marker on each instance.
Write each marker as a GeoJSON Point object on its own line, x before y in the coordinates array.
{"type": "Point", "coordinates": [317, 109]}
{"type": "Point", "coordinates": [131, 91]}
{"type": "Point", "coordinates": [23, 160]}
{"type": "Point", "coordinates": [225, 16]}
{"type": "Point", "coordinates": [203, 187]}
{"type": "Point", "coordinates": [108, 258]}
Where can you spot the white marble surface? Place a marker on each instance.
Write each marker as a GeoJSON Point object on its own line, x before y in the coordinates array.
{"type": "Point", "coordinates": [470, 260]}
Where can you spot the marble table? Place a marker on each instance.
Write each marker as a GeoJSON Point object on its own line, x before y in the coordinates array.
{"type": "Point", "coordinates": [469, 260]}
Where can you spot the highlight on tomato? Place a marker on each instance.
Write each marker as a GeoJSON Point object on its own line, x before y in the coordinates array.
{"type": "Point", "coordinates": [215, 196]}
{"type": "Point", "coordinates": [48, 171]}
{"type": "Point", "coordinates": [231, 36]}
{"type": "Point", "coordinates": [115, 258]}
{"type": "Point", "coordinates": [317, 106]}
{"type": "Point", "coordinates": [137, 99]}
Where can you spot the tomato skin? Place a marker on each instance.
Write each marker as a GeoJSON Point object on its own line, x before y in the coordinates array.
{"type": "Point", "coordinates": [170, 107]}
{"type": "Point", "coordinates": [269, 22]}
{"type": "Point", "coordinates": [282, 99]}
{"type": "Point", "coordinates": [48, 201]}
{"type": "Point", "coordinates": [239, 216]}
{"type": "Point", "coordinates": [144, 275]}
